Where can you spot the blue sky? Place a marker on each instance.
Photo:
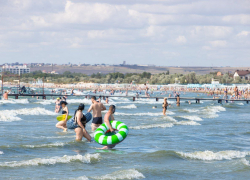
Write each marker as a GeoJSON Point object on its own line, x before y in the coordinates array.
{"type": "Point", "coordinates": [160, 32]}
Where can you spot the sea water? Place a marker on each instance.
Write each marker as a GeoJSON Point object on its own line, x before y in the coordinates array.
{"type": "Point", "coordinates": [194, 141]}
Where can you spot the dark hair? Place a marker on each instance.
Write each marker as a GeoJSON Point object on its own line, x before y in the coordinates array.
{"type": "Point", "coordinates": [81, 107]}
{"type": "Point", "coordinates": [93, 97]}
{"type": "Point", "coordinates": [113, 108]}
{"type": "Point", "coordinates": [63, 102]}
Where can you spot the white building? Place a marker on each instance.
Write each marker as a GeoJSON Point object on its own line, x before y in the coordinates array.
{"type": "Point", "coordinates": [16, 69]}
{"type": "Point", "coordinates": [242, 74]}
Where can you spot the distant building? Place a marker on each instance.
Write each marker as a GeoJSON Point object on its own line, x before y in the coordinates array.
{"type": "Point", "coordinates": [219, 74]}
{"type": "Point", "coordinates": [124, 62]}
{"type": "Point", "coordinates": [16, 69]}
{"type": "Point", "coordinates": [1, 69]}
{"type": "Point", "coordinates": [243, 74]}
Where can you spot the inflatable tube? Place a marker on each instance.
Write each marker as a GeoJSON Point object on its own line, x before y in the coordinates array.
{"type": "Point", "coordinates": [62, 117]}
{"type": "Point", "coordinates": [101, 135]}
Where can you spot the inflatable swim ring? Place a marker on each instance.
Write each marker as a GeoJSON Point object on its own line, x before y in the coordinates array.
{"type": "Point", "coordinates": [102, 137]}
{"type": "Point", "coordinates": [62, 117]}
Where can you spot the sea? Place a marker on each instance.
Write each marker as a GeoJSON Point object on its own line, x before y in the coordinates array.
{"type": "Point", "coordinates": [208, 140]}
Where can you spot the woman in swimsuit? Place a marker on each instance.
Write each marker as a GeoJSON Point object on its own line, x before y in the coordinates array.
{"type": "Point", "coordinates": [58, 106]}
{"type": "Point", "coordinates": [78, 123]}
{"type": "Point", "coordinates": [165, 106]}
{"type": "Point", "coordinates": [65, 110]}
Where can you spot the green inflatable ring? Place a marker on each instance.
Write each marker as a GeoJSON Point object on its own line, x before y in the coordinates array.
{"type": "Point", "coordinates": [102, 138]}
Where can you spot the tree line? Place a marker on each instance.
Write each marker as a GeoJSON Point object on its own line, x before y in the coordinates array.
{"type": "Point", "coordinates": [136, 78]}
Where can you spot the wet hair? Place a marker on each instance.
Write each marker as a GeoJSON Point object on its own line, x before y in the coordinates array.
{"type": "Point", "coordinates": [81, 107]}
{"type": "Point", "coordinates": [93, 97]}
{"type": "Point", "coordinates": [112, 107]}
{"type": "Point", "coordinates": [63, 102]}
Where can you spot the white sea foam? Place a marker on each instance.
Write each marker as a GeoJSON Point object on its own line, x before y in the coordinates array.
{"type": "Point", "coordinates": [15, 101]}
{"type": "Point", "coordinates": [211, 111]}
{"type": "Point", "coordinates": [81, 178]}
{"type": "Point", "coordinates": [78, 101]}
{"type": "Point", "coordinates": [11, 115]}
{"type": "Point", "coordinates": [245, 162]}
{"type": "Point", "coordinates": [143, 114]}
{"type": "Point", "coordinates": [87, 158]}
{"type": "Point", "coordinates": [131, 106]}
{"type": "Point", "coordinates": [210, 155]}
{"type": "Point", "coordinates": [170, 118]}
{"type": "Point", "coordinates": [123, 174]}
{"type": "Point", "coordinates": [191, 110]}
{"type": "Point", "coordinates": [57, 144]}
{"type": "Point", "coordinates": [190, 123]}
{"type": "Point", "coordinates": [1, 152]}
{"type": "Point", "coordinates": [152, 126]}
{"type": "Point", "coordinates": [192, 118]}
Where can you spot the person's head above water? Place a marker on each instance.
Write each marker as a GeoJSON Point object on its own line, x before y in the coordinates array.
{"type": "Point", "coordinates": [63, 103]}
{"type": "Point", "coordinates": [112, 108]}
{"type": "Point", "coordinates": [93, 98]}
{"type": "Point", "coordinates": [81, 107]}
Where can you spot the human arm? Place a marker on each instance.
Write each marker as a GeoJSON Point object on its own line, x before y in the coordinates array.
{"type": "Point", "coordinates": [90, 108]}
{"type": "Point", "coordinates": [106, 120]}
{"type": "Point", "coordinates": [103, 108]}
{"type": "Point", "coordinates": [67, 113]}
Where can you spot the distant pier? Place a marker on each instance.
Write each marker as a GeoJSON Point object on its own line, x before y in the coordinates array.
{"type": "Point", "coordinates": [197, 100]}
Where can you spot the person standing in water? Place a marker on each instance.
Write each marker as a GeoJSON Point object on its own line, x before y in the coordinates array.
{"type": "Point", "coordinates": [58, 106]}
{"type": "Point", "coordinates": [78, 123]}
{"type": "Point", "coordinates": [5, 95]}
{"type": "Point", "coordinates": [62, 124]}
{"type": "Point", "coordinates": [165, 106]}
{"type": "Point", "coordinates": [178, 100]}
{"type": "Point", "coordinates": [97, 108]}
{"type": "Point", "coordinates": [109, 116]}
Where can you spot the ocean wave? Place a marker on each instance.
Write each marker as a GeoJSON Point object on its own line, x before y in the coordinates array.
{"type": "Point", "coordinates": [123, 174]}
{"type": "Point", "coordinates": [245, 162]}
{"type": "Point", "coordinates": [144, 114]}
{"type": "Point", "coordinates": [87, 158]}
{"type": "Point", "coordinates": [132, 106]}
{"type": "Point", "coordinates": [191, 110]}
{"type": "Point", "coordinates": [58, 144]}
{"type": "Point", "coordinates": [152, 126]}
{"type": "Point", "coordinates": [210, 155]}
{"type": "Point", "coordinates": [1, 152]}
{"type": "Point", "coordinates": [211, 111]}
{"type": "Point", "coordinates": [11, 115]}
{"type": "Point", "coordinates": [15, 101]}
{"type": "Point", "coordinates": [190, 123]}
{"type": "Point", "coordinates": [192, 118]}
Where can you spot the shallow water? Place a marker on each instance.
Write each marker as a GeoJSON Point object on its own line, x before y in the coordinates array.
{"type": "Point", "coordinates": [197, 141]}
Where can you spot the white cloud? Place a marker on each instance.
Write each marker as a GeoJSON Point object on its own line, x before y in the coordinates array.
{"type": "Point", "coordinates": [218, 43]}
{"type": "Point", "coordinates": [243, 33]}
{"type": "Point", "coordinates": [181, 40]}
{"type": "Point", "coordinates": [126, 29]}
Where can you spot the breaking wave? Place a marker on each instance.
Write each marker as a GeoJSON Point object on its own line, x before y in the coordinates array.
{"type": "Point", "coordinates": [190, 123]}
{"type": "Point", "coordinates": [132, 106]}
{"type": "Point", "coordinates": [123, 174]}
{"type": "Point", "coordinates": [210, 155]}
{"type": "Point", "coordinates": [152, 126]}
{"type": "Point", "coordinates": [11, 115]}
{"type": "Point", "coordinates": [87, 158]}
{"type": "Point", "coordinates": [192, 118]}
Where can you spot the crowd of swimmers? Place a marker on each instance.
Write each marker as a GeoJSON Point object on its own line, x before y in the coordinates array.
{"type": "Point", "coordinates": [79, 120]}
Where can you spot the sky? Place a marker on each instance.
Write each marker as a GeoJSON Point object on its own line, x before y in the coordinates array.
{"type": "Point", "coordinates": [159, 32]}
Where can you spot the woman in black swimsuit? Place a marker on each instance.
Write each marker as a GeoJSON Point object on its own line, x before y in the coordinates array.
{"type": "Point", "coordinates": [165, 106]}
{"type": "Point", "coordinates": [65, 110]}
{"type": "Point", "coordinates": [78, 123]}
